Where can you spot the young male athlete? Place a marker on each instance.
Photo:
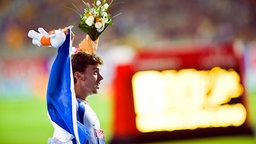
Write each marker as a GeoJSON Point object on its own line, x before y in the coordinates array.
{"type": "Point", "coordinates": [73, 78]}
{"type": "Point", "coordinates": [87, 79]}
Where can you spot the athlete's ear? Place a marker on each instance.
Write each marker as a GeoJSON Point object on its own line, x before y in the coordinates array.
{"type": "Point", "coordinates": [79, 76]}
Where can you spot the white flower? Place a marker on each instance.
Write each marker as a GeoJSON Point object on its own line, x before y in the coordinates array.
{"type": "Point", "coordinates": [105, 20]}
{"type": "Point", "coordinates": [98, 25]}
{"type": "Point", "coordinates": [106, 6]}
{"type": "Point", "coordinates": [93, 11]}
{"type": "Point", "coordinates": [104, 14]}
{"type": "Point", "coordinates": [100, 29]}
{"type": "Point", "coordinates": [98, 2]}
{"type": "Point", "coordinates": [89, 20]}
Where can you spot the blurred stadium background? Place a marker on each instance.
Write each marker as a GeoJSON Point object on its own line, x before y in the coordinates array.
{"type": "Point", "coordinates": [143, 25]}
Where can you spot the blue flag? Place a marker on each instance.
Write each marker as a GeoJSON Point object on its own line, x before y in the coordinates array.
{"type": "Point", "coordinates": [61, 100]}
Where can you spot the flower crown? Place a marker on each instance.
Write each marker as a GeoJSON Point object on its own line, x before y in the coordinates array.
{"type": "Point", "coordinates": [95, 18]}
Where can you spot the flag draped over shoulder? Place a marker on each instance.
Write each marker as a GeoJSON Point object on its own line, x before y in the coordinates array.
{"type": "Point", "coordinates": [61, 101]}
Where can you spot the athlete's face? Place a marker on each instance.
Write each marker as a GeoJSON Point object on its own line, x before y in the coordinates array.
{"type": "Point", "coordinates": [89, 80]}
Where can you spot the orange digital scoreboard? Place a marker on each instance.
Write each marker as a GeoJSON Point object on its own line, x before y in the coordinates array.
{"type": "Point", "coordinates": [179, 94]}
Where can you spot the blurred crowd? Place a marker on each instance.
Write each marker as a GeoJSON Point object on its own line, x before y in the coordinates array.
{"type": "Point", "coordinates": [139, 22]}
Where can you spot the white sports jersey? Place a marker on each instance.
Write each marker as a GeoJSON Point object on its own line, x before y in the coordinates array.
{"type": "Point", "coordinates": [91, 121]}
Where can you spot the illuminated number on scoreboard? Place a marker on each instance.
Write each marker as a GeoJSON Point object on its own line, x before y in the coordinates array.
{"type": "Point", "coordinates": [187, 99]}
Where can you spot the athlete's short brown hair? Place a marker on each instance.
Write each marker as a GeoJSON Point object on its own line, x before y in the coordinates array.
{"type": "Point", "coordinates": [81, 60]}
